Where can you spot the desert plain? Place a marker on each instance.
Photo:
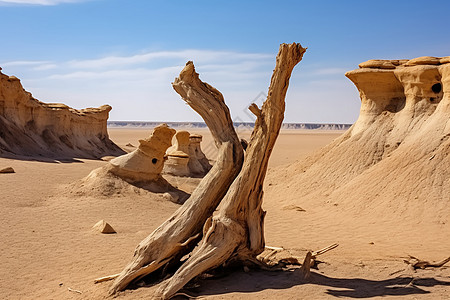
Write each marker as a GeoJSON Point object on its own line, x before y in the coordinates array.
{"type": "Point", "coordinates": [379, 193]}
{"type": "Point", "coordinates": [48, 244]}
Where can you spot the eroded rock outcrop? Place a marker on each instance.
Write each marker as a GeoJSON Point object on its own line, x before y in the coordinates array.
{"type": "Point", "coordinates": [138, 172]}
{"type": "Point", "coordinates": [185, 157]}
{"type": "Point", "coordinates": [396, 157]}
{"type": "Point", "coordinates": [29, 127]}
{"type": "Point", "coordinates": [198, 162]}
{"type": "Point", "coordinates": [178, 155]}
{"type": "Point", "coordinates": [146, 162]}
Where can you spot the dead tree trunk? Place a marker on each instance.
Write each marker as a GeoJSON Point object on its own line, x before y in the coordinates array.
{"type": "Point", "coordinates": [171, 240]}
{"type": "Point", "coordinates": [235, 232]}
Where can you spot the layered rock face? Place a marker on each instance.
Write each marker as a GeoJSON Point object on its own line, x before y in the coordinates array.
{"type": "Point", "coordinates": [32, 128]}
{"type": "Point", "coordinates": [396, 157]}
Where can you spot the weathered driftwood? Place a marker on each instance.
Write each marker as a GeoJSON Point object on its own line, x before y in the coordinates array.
{"type": "Point", "coordinates": [169, 241]}
{"type": "Point", "coordinates": [235, 231]}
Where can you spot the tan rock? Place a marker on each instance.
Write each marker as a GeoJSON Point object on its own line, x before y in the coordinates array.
{"type": "Point", "coordinates": [185, 157]}
{"type": "Point", "coordinates": [379, 64]}
{"type": "Point", "coordinates": [146, 162]}
{"type": "Point", "coordinates": [178, 155]}
{"type": "Point", "coordinates": [52, 130]}
{"type": "Point", "coordinates": [445, 60]}
{"type": "Point", "coordinates": [7, 170]}
{"type": "Point", "coordinates": [103, 227]}
{"type": "Point", "coordinates": [138, 172]}
{"type": "Point", "coordinates": [394, 162]}
{"type": "Point", "coordinates": [198, 163]}
{"type": "Point", "coordinates": [424, 60]}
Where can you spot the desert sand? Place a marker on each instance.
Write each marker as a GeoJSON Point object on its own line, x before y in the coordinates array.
{"type": "Point", "coordinates": [48, 244]}
{"type": "Point", "coordinates": [380, 190]}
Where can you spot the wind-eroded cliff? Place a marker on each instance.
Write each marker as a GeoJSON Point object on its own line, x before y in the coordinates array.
{"type": "Point", "coordinates": [29, 127]}
{"type": "Point", "coordinates": [396, 157]}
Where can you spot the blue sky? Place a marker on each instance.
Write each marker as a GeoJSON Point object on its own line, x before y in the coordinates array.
{"type": "Point", "coordinates": [87, 53]}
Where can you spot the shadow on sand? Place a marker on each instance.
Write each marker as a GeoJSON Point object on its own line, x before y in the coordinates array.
{"type": "Point", "coordinates": [38, 158]}
{"type": "Point", "coordinates": [256, 281]}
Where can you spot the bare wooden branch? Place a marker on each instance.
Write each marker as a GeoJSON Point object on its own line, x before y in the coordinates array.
{"type": "Point", "coordinates": [324, 250]}
{"type": "Point", "coordinates": [274, 248]}
{"type": "Point", "coordinates": [422, 264]}
{"type": "Point", "coordinates": [75, 291]}
{"type": "Point", "coordinates": [255, 110]}
{"type": "Point", "coordinates": [106, 278]}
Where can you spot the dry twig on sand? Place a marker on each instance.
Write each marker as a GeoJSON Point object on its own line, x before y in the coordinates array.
{"type": "Point", "coordinates": [310, 259]}
{"type": "Point", "coordinates": [75, 291]}
{"type": "Point", "coordinates": [422, 264]}
{"type": "Point", "coordinates": [106, 278]}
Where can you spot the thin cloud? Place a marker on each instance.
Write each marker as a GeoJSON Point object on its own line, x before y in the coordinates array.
{"type": "Point", "coordinates": [39, 2]}
{"type": "Point", "coordinates": [138, 86]}
{"type": "Point", "coordinates": [45, 67]}
{"type": "Point", "coordinates": [126, 75]}
{"type": "Point", "coordinates": [23, 63]}
{"type": "Point", "coordinates": [184, 55]}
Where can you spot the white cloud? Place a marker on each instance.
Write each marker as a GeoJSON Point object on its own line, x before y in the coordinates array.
{"type": "Point", "coordinates": [184, 55]}
{"type": "Point", "coordinates": [23, 63]}
{"type": "Point", "coordinates": [127, 75]}
{"type": "Point", "coordinates": [45, 66]}
{"type": "Point", "coordinates": [39, 2]}
{"type": "Point", "coordinates": [139, 86]}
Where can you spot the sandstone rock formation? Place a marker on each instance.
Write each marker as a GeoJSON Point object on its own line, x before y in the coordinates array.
{"type": "Point", "coordinates": [146, 162]}
{"type": "Point", "coordinates": [198, 162]}
{"type": "Point", "coordinates": [29, 127]}
{"type": "Point", "coordinates": [178, 155]}
{"type": "Point", "coordinates": [185, 157]}
{"type": "Point", "coordinates": [136, 172]}
{"type": "Point", "coordinates": [396, 157]}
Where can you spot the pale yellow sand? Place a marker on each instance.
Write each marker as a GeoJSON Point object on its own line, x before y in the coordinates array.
{"type": "Point", "coordinates": [47, 245]}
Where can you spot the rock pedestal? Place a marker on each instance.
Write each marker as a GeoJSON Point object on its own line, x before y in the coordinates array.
{"type": "Point", "coordinates": [198, 163]}
{"type": "Point", "coordinates": [185, 157]}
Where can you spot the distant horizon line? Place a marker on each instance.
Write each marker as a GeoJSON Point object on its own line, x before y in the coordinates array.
{"type": "Point", "coordinates": [198, 124]}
